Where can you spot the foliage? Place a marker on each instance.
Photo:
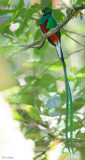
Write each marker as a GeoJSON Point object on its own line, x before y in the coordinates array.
{"type": "Point", "coordinates": [37, 97]}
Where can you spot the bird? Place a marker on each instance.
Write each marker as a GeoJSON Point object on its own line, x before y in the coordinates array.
{"type": "Point", "coordinates": [47, 22]}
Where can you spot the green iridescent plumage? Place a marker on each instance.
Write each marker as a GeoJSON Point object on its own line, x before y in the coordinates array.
{"type": "Point", "coordinates": [51, 21]}
{"type": "Point", "coordinates": [47, 22]}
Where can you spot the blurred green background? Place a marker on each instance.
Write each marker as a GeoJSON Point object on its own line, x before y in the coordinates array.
{"type": "Point", "coordinates": [32, 80]}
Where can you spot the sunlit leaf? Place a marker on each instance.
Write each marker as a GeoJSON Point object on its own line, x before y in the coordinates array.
{"type": "Point", "coordinates": [33, 112]}
{"type": "Point", "coordinates": [56, 66]}
{"type": "Point", "coordinates": [79, 2]}
{"type": "Point", "coordinates": [16, 115]}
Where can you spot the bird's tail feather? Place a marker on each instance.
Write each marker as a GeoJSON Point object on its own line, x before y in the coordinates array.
{"type": "Point", "coordinates": [68, 99]}
{"type": "Point", "coordinates": [59, 50]}
{"type": "Point", "coordinates": [67, 103]}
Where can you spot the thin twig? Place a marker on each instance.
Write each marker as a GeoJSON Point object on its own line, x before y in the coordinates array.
{"type": "Point", "coordinates": [49, 65]}
{"type": "Point", "coordinates": [21, 44]}
{"type": "Point", "coordinates": [63, 140]}
{"type": "Point", "coordinates": [66, 30]}
{"type": "Point", "coordinates": [79, 147]}
{"type": "Point", "coordinates": [39, 46]}
{"type": "Point", "coordinates": [74, 39]}
{"type": "Point", "coordinates": [44, 36]}
{"type": "Point", "coordinates": [7, 46]}
{"type": "Point", "coordinates": [35, 19]}
{"type": "Point", "coordinates": [40, 153]}
{"type": "Point", "coordinates": [65, 21]}
{"type": "Point", "coordinates": [49, 131]}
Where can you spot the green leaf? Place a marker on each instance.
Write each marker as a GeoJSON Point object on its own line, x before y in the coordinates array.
{"type": "Point", "coordinates": [33, 134]}
{"type": "Point", "coordinates": [19, 3]}
{"type": "Point", "coordinates": [37, 34]}
{"type": "Point", "coordinates": [35, 8]}
{"type": "Point", "coordinates": [55, 67]}
{"type": "Point", "coordinates": [12, 19]}
{"type": "Point", "coordinates": [82, 70]}
{"type": "Point", "coordinates": [29, 78]}
{"type": "Point", "coordinates": [9, 92]}
{"type": "Point", "coordinates": [33, 112]}
{"type": "Point", "coordinates": [47, 81]}
{"type": "Point", "coordinates": [79, 2]}
{"type": "Point", "coordinates": [82, 152]}
{"type": "Point", "coordinates": [78, 103]}
{"type": "Point", "coordinates": [53, 102]}
{"type": "Point", "coordinates": [16, 115]}
{"type": "Point", "coordinates": [5, 11]}
{"type": "Point", "coordinates": [74, 69]}
{"type": "Point", "coordinates": [80, 75]}
{"type": "Point", "coordinates": [4, 2]}
{"type": "Point", "coordinates": [16, 2]}
{"type": "Point", "coordinates": [58, 15]}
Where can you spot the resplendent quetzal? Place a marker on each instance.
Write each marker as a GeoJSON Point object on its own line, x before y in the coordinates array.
{"type": "Point", "coordinates": [47, 22]}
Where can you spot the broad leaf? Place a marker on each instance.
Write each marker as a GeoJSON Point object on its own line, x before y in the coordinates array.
{"type": "Point", "coordinates": [33, 112]}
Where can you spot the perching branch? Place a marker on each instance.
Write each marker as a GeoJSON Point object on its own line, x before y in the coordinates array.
{"type": "Point", "coordinates": [21, 44]}
{"type": "Point", "coordinates": [65, 21]}
{"type": "Point", "coordinates": [39, 46]}
{"type": "Point", "coordinates": [44, 36]}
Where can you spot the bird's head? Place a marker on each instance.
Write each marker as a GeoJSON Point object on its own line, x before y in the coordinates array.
{"type": "Point", "coordinates": [47, 11]}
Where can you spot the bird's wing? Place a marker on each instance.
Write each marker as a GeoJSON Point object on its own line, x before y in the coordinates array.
{"type": "Point", "coordinates": [52, 24]}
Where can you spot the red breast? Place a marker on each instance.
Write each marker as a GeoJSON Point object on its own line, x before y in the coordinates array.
{"type": "Point", "coordinates": [53, 37]}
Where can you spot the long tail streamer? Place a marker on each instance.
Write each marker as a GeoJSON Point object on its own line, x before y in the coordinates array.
{"type": "Point", "coordinates": [68, 102]}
